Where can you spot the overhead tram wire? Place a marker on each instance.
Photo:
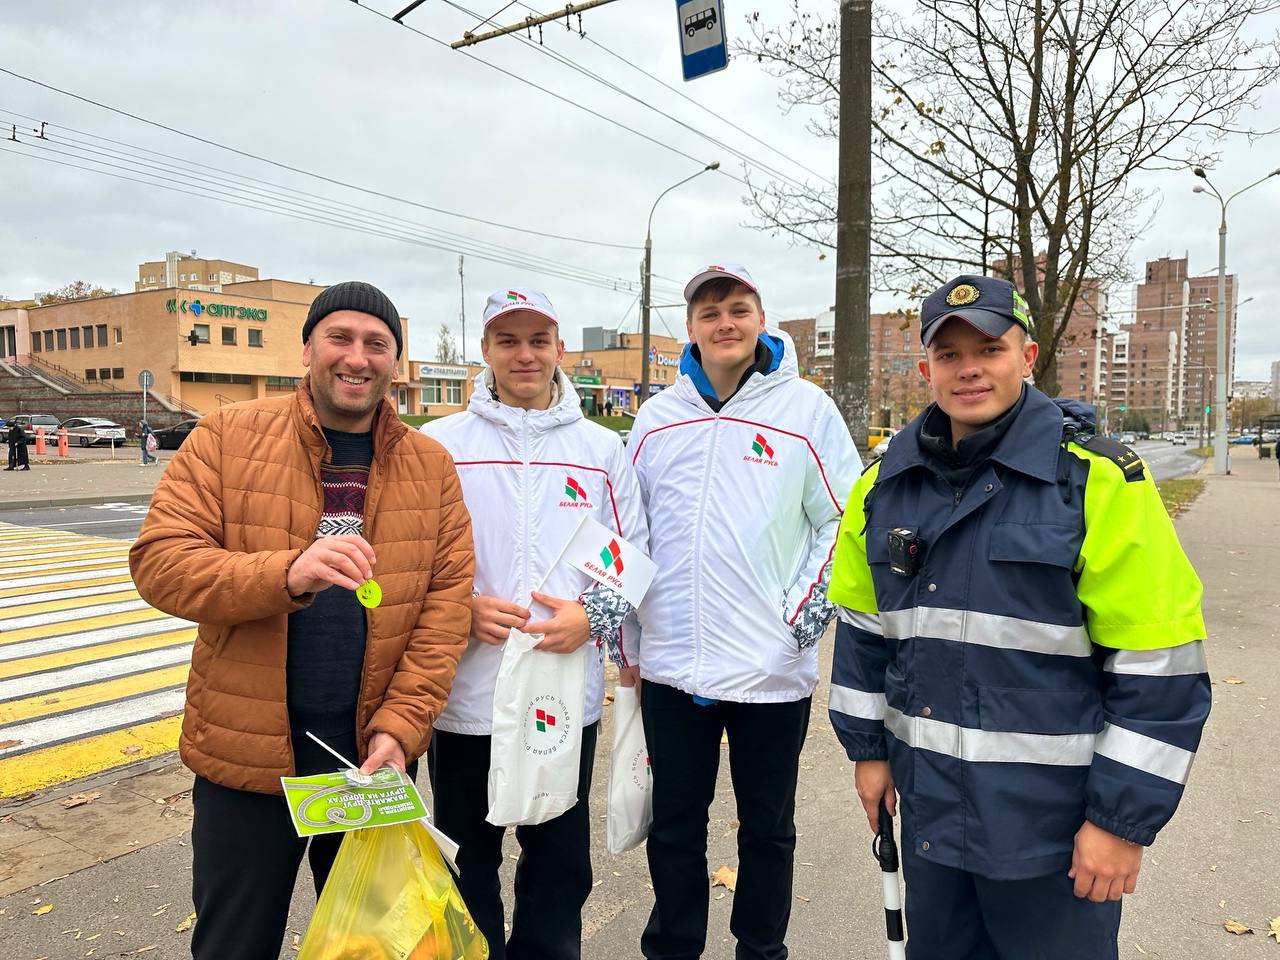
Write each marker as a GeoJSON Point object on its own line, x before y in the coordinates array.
{"type": "Point", "coordinates": [566, 60]}
{"type": "Point", "coordinates": [323, 205]}
{"type": "Point", "coordinates": [551, 93]}
{"type": "Point", "coordinates": [617, 286]}
{"type": "Point", "coordinates": [319, 176]}
{"type": "Point", "coordinates": [256, 199]}
{"type": "Point", "coordinates": [572, 64]}
{"type": "Point", "coordinates": [705, 109]}
{"type": "Point", "coordinates": [683, 96]}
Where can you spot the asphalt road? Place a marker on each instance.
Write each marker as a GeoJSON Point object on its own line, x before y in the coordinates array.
{"type": "Point", "coordinates": [120, 521]}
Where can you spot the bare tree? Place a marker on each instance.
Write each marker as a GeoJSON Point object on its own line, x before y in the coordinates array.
{"type": "Point", "coordinates": [446, 346]}
{"type": "Point", "coordinates": [75, 290]}
{"type": "Point", "coordinates": [1006, 135]}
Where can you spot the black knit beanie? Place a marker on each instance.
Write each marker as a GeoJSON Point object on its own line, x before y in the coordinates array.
{"type": "Point", "coordinates": [355, 295]}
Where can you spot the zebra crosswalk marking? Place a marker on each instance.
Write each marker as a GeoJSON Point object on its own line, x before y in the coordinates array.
{"type": "Point", "coordinates": [91, 676]}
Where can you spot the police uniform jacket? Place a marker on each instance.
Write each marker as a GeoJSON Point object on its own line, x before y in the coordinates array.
{"type": "Point", "coordinates": [1043, 663]}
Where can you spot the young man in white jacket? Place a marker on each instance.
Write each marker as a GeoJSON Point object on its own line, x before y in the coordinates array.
{"type": "Point", "coordinates": [530, 464]}
{"type": "Point", "coordinates": [744, 468]}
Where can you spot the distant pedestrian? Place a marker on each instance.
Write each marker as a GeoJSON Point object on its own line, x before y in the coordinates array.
{"type": "Point", "coordinates": [17, 449]}
{"type": "Point", "coordinates": [146, 440]}
{"type": "Point", "coordinates": [608, 408]}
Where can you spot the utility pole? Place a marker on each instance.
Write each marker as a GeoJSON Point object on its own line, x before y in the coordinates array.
{"type": "Point", "coordinates": [646, 274]}
{"type": "Point", "coordinates": [462, 309]}
{"type": "Point", "coordinates": [852, 361]}
{"type": "Point", "coordinates": [646, 278]}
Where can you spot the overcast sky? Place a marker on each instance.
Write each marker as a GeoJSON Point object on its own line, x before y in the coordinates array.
{"type": "Point", "coordinates": [329, 87]}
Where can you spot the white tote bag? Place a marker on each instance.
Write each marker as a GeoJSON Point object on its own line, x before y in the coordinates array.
{"type": "Point", "coordinates": [630, 785]}
{"type": "Point", "coordinates": [537, 732]}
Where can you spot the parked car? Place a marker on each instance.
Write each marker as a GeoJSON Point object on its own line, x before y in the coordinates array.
{"type": "Point", "coordinates": [1243, 438]}
{"type": "Point", "coordinates": [87, 431]}
{"type": "Point", "coordinates": [1178, 439]}
{"type": "Point", "coordinates": [1128, 438]}
{"type": "Point", "coordinates": [880, 448]}
{"type": "Point", "coordinates": [170, 438]}
{"type": "Point", "coordinates": [29, 421]}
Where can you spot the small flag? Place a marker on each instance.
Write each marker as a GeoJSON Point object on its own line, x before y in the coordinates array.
{"type": "Point", "coordinates": [604, 556]}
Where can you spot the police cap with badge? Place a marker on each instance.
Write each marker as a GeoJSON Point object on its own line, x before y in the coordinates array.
{"type": "Point", "coordinates": [991, 306]}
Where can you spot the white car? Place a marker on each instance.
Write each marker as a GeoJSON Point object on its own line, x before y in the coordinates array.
{"type": "Point", "coordinates": [1178, 439]}
{"type": "Point", "coordinates": [87, 431]}
{"type": "Point", "coordinates": [880, 448]}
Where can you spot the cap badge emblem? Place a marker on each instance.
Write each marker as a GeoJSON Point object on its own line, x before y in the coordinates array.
{"type": "Point", "coordinates": [962, 294]}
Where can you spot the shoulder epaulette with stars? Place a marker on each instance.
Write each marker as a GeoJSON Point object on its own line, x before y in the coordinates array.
{"type": "Point", "coordinates": [1130, 463]}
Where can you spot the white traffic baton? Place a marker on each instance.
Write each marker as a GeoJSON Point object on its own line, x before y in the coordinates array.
{"type": "Point", "coordinates": [885, 849]}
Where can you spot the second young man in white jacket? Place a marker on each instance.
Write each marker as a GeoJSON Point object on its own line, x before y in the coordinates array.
{"type": "Point", "coordinates": [744, 468]}
{"type": "Point", "coordinates": [530, 464]}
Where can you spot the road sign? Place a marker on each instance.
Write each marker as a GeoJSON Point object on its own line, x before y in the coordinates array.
{"type": "Point", "coordinates": [146, 379]}
{"type": "Point", "coordinates": [702, 43]}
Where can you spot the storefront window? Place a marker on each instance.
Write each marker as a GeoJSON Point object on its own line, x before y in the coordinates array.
{"type": "Point", "coordinates": [431, 392]}
{"type": "Point", "coordinates": [453, 392]}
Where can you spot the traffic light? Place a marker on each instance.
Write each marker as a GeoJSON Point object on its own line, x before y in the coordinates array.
{"type": "Point", "coordinates": [1207, 407]}
{"type": "Point", "coordinates": [1121, 408]}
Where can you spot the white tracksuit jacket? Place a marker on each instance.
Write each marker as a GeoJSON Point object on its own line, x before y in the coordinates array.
{"type": "Point", "coordinates": [527, 475]}
{"type": "Point", "coordinates": [743, 508]}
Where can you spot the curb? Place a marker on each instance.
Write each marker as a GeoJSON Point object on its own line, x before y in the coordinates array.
{"type": "Point", "coordinates": [80, 501]}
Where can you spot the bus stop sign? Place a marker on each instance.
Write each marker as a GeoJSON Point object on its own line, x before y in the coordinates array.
{"type": "Point", "coordinates": [702, 42]}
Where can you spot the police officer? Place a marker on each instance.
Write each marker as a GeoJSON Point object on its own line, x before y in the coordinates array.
{"type": "Point", "coordinates": [1020, 656]}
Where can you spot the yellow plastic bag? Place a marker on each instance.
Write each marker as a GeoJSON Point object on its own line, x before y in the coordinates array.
{"type": "Point", "coordinates": [390, 896]}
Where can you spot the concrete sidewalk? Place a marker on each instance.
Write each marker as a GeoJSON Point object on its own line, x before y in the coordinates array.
{"type": "Point", "coordinates": [71, 481]}
{"type": "Point", "coordinates": [1215, 861]}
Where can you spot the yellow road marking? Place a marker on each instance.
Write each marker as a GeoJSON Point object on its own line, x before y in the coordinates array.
{"type": "Point", "coordinates": [122, 578]}
{"type": "Point", "coordinates": [57, 701]}
{"type": "Point", "coordinates": [78, 626]}
{"type": "Point", "coordinates": [39, 769]}
{"type": "Point", "coordinates": [101, 651]}
{"type": "Point", "coordinates": [126, 592]}
{"type": "Point", "coordinates": [12, 566]}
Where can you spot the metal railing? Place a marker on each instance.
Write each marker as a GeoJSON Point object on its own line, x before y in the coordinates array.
{"type": "Point", "coordinates": [41, 365]}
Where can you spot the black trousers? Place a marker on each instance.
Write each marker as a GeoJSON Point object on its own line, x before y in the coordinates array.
{"type": "Point", "coordinates": [245, 862]}
{"type": "Point", "coordinates": [955, 915]}
{"type": "Point", "coordinates": [765, 740]}
{"type": "Point", "coordinates": [553, 874]}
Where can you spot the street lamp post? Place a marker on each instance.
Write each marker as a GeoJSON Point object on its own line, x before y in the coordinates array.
{"type": "Point", "coordinates": [646, 283]}
{"type": "Point", "coordinates": [1220, 375]}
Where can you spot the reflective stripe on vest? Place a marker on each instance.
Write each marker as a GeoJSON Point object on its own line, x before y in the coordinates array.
{"type": "Point", "coordinates": [1153, 756]}
{"type": "Point", "coordinates": [1156, 757]}
{"type": "Point", "coordinates": [870, 622]}
{"type": "Point", "coordinates": [985, 629]}
{"type": "Point", "coordinates": [857, 703]}
{"type": "Point", "coordinates": [1185, 660]}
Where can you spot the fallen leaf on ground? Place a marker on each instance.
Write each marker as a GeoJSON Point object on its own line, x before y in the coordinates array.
{"type": "Point", "coordinates": [724, 876]}
{"type": "Point", "coordinates": [1232, 680]}
{"type": "Point", "coordinates": [131, 749]}
{"type": "Point", "coordinates": [6, 744]}
{"type": "Point", "coordinates": [42, 910]}
{"type": "Point", "coordinates": [80, 799]}
{"type": "Point", "coordinates": [1236, 927]}
{"type": "Point", "coordinates": [186, 923]}
{"type": "Point", "coordinates": [1274, 930]}
{"type": "Point", "coordinates": [1138, 947]}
